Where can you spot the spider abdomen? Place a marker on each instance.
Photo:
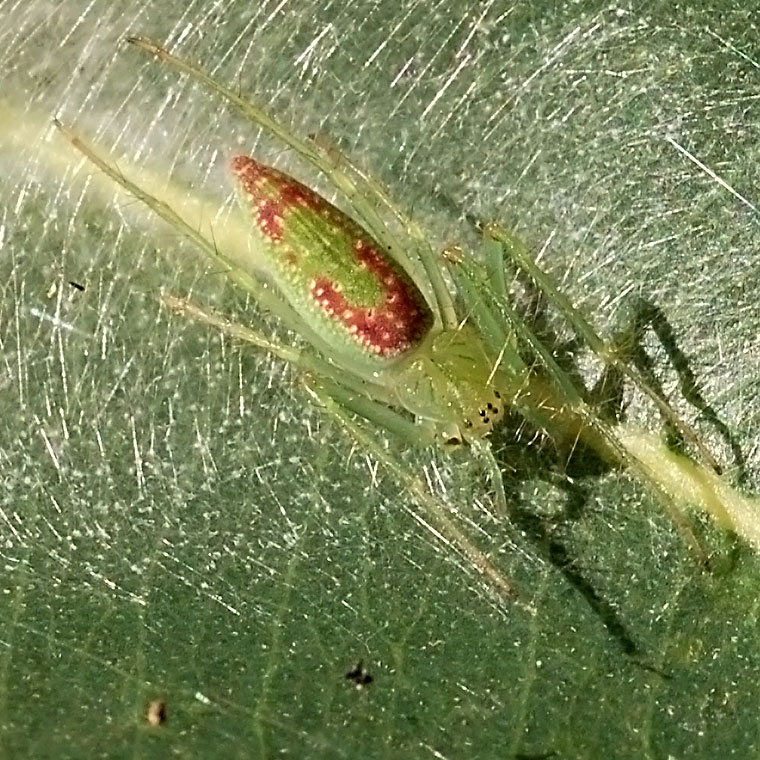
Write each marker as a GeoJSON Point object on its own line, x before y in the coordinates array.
{"type": "Point", "coordinates": [357, 298]}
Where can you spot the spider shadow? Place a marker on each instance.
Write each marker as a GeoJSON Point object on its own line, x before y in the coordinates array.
{"type": "Point", "coordinates": [525, 454]}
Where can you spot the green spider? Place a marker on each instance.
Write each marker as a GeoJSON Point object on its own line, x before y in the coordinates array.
{"type": "Point", "coordinates": [387, 342]}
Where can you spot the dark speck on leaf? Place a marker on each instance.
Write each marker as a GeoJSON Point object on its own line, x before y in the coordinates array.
{"type": "Point", "coordinates": [359, 675]}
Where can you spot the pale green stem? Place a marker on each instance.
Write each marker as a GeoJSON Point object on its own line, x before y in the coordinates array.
{"type": "Point", "coordinates": [690, 484]}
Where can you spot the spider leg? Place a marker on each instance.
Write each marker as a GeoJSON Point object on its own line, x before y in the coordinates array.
{"type": "Point", "coordinates": [484, 451]}
{"type": "Point", "coordinates": [384, 417]}
{"type": "Point", "coordinates": [345, 402]}
{"type": "Point", "coordinates": [523, 258]}
{"type": "Point", "coordinates": [436, 517]}
{"type": "Point", "coordinates": [405, 429]}
{"type": "Point", "coordinates": [628, 344]}
{"type": "Point", "coordinates": [576, 420]}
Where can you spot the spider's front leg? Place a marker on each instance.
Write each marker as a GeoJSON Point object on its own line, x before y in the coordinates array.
{"type": "Point", "coordinates": [679, 480]}
{"type": "Point", "coordinates": [322, 379]}
{"type": "Point", "coordinates": [346, 406]}
{"type": "Point", "coordinates": [333, 395]}
{"type": "Point", "coordinates": [516, 250]}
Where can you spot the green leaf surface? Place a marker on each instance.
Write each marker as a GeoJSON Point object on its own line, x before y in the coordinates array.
{"type": "Point", "coordinates": [177, 522]}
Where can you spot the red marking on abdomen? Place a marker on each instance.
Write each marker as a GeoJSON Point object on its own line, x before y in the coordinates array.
{"type": "Point", "coordinates": [403, 317]}
{"type": "Point", "coordinates": [391, 328]}
{"type": "Point", "coordinates": [262, 181]}
{"type": "Point", "coordinates": [269, 219]}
